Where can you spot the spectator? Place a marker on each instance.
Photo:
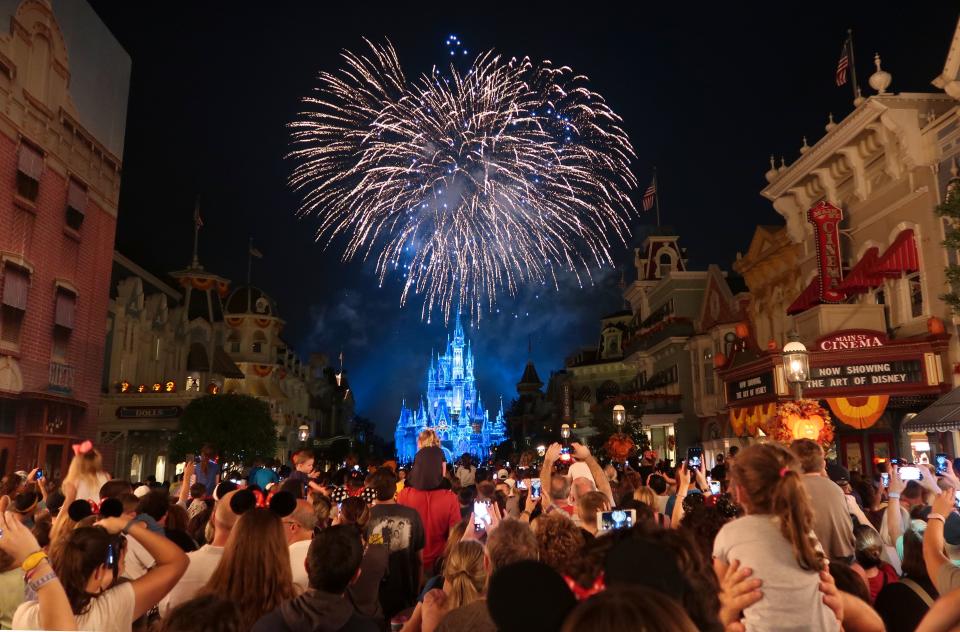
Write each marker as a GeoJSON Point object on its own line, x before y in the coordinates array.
{"type": "Point", "coordinates": [205, 560]}
{"type": "Point", "coordinates": [556, 487]}
{"type": "Point", "coordinates": [775, 540]}
{"type": "Point", "coordinates": [620, 608]}
{"type": "Point", "coordinates": [831, 516]}
{"type": "Point", "coordinates": [943, 529]}
{"type": "Point", "coordinates": [303, 473]}
{"type": "Point", "coordinates": [466, 472]}
{"type": "Point", "coordinates": [11, 588]}
{"type": "Point", "coordinates": [88, 565]}
{"type": "Point", "coordinates": [85, 476]}
{"type": "Point", "coordinates": [559, 542]}
{"type": "Point", "coordinates": [904, 603]}
{"type": "Point", "coordinates": [175, 528]}
{"type": "Point", "coordinates": [254, 571]}
{"type": "Point", "coordinates": [400, 531]}
{"type": "Point", "coordinates": [262, 475]}
{"type": "Point", "coordinates": [719, 471]}
{"type": "Point", "coordinates": [438, 508]}
{"type": "Point", "coordinates": [591, 505]}
{"type": "Point", "coordinates": [203, 614]}
{"type": "Point", "coordinates": [333, 563]}
{"type": "Point", "coordinates": [298, 527]}
{"type": "Point", "coordinates": [364, 593]}
{"type": "Point", "coordinates": [869, 550]}
{"type": "Point", "coordinates": [464, 582]}
{"type": "Point", "coordinates": [430, 453]}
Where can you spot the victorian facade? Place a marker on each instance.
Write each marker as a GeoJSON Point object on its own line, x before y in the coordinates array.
{"type": "Point", "coordinates": [61, 141]}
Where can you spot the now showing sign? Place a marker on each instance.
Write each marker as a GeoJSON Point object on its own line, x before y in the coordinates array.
{"type": "Point", "coordinates": [880, 374]}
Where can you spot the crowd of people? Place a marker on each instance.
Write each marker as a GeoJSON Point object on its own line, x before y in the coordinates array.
{"type": "Point", "coordinates": [771, 538]}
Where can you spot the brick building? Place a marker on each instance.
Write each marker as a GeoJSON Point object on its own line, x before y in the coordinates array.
{"type": "Point", "coordinates": [63, 95]}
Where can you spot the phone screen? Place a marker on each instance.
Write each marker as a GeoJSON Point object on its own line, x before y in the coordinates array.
{"type": "Point", "coordinates": [694, 458]}
{"type": "Point", "coordinates": [616, 519]}
{"type": "Point", "coordinates": [956, 496]}
{"type": "Point", "coordinates": [521, 484]}
{"type": "Point", "coordinates": [535, 487]}
{"type": "Point", "coordinates": [942, 464]}
{"type": "Point", "coordinates": [39, 473]}
{"type": "Point", "coordinates": [885, 479]}
{"type": "Point", "coordinates": [909, 473]}
{"type": "Point", "coordinates": [481, 515]}
{"type": "Point", "coordinates": [714, 487]}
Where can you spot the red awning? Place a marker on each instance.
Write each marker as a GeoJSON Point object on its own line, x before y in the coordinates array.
{"type": "Point", "coordinates": [864, 276]}
{"type": "Point", "coordinates": [807, 299]}
{"type": "Point", "coordinates": [900, 258]}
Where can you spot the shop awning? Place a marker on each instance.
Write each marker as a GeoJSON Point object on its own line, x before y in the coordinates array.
{"type": "Point", "coordinates": [864, 276]}
{"type": "Point", "coordinates": [807, 299]}
{"type": "Point", "coordinates": [900, 258]}
{"type": "Point", "coordinates": [226, 367]}
{"type": "Point", "coordinates": [942, 415]}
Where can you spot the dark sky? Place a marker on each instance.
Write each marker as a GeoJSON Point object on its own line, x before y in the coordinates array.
{"type": "Point", "coordinates": [707, 91]}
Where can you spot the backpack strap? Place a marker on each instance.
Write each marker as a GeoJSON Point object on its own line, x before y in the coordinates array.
{"type": "Point", "coordinates": [918, 589]}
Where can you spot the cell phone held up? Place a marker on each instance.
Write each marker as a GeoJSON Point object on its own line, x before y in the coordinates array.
{"type": "Point", "coordinates": [481, 515]}
{"type": "Point", "coordinates": [616, 519]}
{"type": "Point", "coordinates": [942, 464]}
{"type": "Point", "coordinates": [909, 473]}
{"type": "Point", "coordinates": [535, 488]}
{"type": "Point", "coordinates": [695, 458]}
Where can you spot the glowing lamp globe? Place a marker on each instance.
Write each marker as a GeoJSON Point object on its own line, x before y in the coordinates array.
{"type": "Point", "coordinates": [796, 362]}
{"type": "Point", "coordinates": [619, 415]}
{"type": "Point", "coordinates": [303, 432]}
{"type": "Point", "coordinates": [565, 432]}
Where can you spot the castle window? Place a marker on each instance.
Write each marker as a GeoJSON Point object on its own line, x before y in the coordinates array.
{"type": "Point", "coordinates": [29, 170]}
{"type": "Point", "coordinates": [259, 342]}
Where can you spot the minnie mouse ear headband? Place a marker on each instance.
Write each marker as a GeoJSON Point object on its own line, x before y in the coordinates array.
{"type": "Point", "coordinates": [82, 448]}
{"type": "Point", "coordinates": [280, 503]}
{"type": "Point", "coordinates": [25, 502]}
{"type": "Point", "coordinates": [80, 509]}
{"type": "Point", "coordinates": [224, 488]}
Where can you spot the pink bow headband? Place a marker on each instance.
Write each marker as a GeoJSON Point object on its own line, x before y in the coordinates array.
{"type": "Point", "coordinates": [82, 448]}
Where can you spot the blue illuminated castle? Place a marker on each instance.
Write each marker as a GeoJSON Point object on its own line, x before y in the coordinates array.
{"type": "Point", "coordinates": [453, 408]}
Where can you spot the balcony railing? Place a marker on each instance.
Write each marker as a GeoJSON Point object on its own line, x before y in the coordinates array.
{"type": "Point", "coordinates": [61, 377]}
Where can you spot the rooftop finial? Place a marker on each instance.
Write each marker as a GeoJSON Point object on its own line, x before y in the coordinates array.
{"type": "Point", "coordinates": [880, 80]}
{"type": "Point", "coordinates": [804, 148]}
{"type": "Point", "coordinates": [771, 174]}
{"type": "Point", "coordinates": [783, 165]}
{"type": "Point", "coordinates": [830, 124]}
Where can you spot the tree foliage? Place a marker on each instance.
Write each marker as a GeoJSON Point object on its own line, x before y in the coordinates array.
{"type": "Point", "coordinates": [238, 426]}
{"type": "Point", "coordinates": [950, 209]}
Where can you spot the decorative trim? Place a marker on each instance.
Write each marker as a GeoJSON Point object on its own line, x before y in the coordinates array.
{"type": "Point", "coordinates": [17, 260]}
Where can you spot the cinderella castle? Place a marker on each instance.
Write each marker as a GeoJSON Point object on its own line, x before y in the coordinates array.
{"type": "Point", "coordinates": [453, 408]}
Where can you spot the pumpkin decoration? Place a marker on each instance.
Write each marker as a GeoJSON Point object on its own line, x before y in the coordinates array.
{"type": "Point", "coordinates": [805, 419]}
{"type": "Point", "coordinates": [719, 360]}
{"type": "Point", "coordinates": [619, 447]}
{"type": "Point", "coordinates": [742, 330]}
{"type": "Point", "coordinates": [935, 326]}
{"type": "Point", "coordinates": [772, 345]}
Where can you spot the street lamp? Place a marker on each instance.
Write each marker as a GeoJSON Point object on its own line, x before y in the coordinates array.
{"type": "Point", "coordinates": [565, 432]}
{"type": "Point", "coordinates": [796, 364]}
{"type": "Point", "coordinates": [303, 432]}
{"type": "Point", "coordinates": [619, 416]}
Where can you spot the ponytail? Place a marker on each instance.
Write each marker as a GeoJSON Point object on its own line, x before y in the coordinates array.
{"type": "Point", "coordinates": [791, 505]}
{"type": "Point", "coordinates": [464, 576]}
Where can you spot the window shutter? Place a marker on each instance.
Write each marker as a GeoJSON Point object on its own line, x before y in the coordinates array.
{"type": "Point", "coordinates": [76, 196]}
{"type": "Point", "coordinates": [30, 162]}
{"type": "Point", "coordinates": [66, 306]}
{"type": "Point", "coordinates": [15, 285]}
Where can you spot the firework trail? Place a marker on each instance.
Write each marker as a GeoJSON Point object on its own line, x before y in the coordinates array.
{"type": "Point", "coordinates": [469, 182]}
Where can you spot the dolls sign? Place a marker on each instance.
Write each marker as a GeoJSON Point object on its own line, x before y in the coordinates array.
{"type": "Point", "coordinates": [826, 219]}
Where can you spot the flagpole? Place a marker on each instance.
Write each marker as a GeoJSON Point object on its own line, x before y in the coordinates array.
{"type": "Point", "coordinates": [249, 260]}
{"type": "Point", "coordinates": [656, 195]}
{"type": "Point", "coordinates": [853, 68]}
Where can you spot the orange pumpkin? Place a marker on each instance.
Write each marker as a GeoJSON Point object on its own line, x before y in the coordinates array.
{"type": "Point", "coordinates": [742, 330]}
{"type": "Point", "coordinates": [772, 345]}
{"type": "Point", "coordinates": [935, 326]}
{"type": "Point", "coordinates": [806, 427]}
{"type": "Point", "coordinates": [719, 360]}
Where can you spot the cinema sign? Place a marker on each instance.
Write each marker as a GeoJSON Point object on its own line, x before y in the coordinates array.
{"type": "Point", "coordinates": [852, 339]}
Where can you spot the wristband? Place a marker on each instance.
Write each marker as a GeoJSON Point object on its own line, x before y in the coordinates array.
{"type": "Point", "coordinates": [38, 583]}
{"type": "Point", "coordinates": [893, 495]}
{"type": "Point", "coordinates": [33, 560]}
{"type": "Point", "coordinates": [936, 516]}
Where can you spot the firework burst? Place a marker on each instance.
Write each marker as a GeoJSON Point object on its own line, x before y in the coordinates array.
{"type": "Point", "coordinates": [468, 182]}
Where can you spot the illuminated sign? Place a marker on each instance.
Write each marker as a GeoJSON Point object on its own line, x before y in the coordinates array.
{"type": "Point", "coordinates": [878, 374]}
{"type": "Point", "coordinates": [826, 219]}
{"type": "Point", "coordinates": [149, 412]}
{"type": "Point", "coordinates": [852, 339]}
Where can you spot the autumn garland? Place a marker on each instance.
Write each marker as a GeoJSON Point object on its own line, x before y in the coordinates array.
{"type": "Point", "coordinates": [790, 413]}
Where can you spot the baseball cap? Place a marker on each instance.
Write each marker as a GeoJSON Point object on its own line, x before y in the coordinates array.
{"type": "Point", "coordinates": [503, 475]}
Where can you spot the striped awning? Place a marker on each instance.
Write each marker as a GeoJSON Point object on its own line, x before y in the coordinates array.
{"type": "Point", "coordinates": [809, 297]}
{"type": "Point", "coordinates": [864, 276]}
{"type": "Point", "coordinates": [942, 415]}
{"type": "Point", "coordinates": [900, 258]}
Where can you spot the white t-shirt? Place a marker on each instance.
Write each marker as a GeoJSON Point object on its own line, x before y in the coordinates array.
{"type": "Point", "coordinates": [298, 564]}
{"type": "Point", "coordinates": [467, 475]}
{"type": "Point", "coordinates": [86, 489]}
{"type": "Point", "coordinates": [110, 612]}
{"type": "Point", "coordinates": [137, 561]}
{"type": "Point", "coordinates": [203, 562]}
{"type": "Point", "coordinates": [791, 601]}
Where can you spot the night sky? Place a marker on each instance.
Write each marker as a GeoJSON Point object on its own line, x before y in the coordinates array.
{"type": "Point", "coordinates": [707, 94]}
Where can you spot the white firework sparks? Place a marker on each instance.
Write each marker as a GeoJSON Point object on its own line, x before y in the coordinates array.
{"type": "Point", "coordinates": [470, 184]}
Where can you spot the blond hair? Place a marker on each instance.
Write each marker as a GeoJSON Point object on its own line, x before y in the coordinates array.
{"type": "Point", "coordinates": [85, 467]}
{"type": "Point", "coordinates": [647, 496]}
{"type": "Point", "coordinates": [464, 575]}
{"type": "Point", "coordinates": [428, 437]}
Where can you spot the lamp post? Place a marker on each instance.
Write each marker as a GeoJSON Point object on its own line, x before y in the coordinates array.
{"type": "Point", "coordinates": [796, 365]}
{"type": "Point", "coordinates": [303, 432]}
{"type": "Point", "coordinates": [565, 433]}
{"type": "Point", "coordinates": [619, 417]}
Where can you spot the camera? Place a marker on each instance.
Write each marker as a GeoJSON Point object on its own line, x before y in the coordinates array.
{"type": "Point", "coordinates": [616, 519]}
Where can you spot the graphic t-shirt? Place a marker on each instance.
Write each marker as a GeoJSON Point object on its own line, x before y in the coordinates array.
{"type": "Point", "coordinates": [400, 530]}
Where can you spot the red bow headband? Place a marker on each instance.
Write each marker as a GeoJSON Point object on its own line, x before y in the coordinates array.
{"type": "Point", "coordinates": [82, 448]}
{"type": "Point", "coordinates": [263, 500]}
{"type": "Point", "coordinates": [582, 593]}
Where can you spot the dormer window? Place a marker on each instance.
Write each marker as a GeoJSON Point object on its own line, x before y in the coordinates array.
{"type": "Point", "coordinates": [665, 265]}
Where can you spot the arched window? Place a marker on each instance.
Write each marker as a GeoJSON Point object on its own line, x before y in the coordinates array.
{"type": "Point", "coordinates": [233, 342]}
{"type": "Point", "coordinates": [666, 264]}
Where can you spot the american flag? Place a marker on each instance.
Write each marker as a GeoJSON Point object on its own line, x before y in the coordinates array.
{"type": "Point", "coordinates": [650, 195]}
{"type": "Point", "coordinates": [844, 63]}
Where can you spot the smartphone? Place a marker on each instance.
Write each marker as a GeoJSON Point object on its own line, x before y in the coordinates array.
{"type": "Point", "coordinates": [942, 462]}
{"type": "Point", "coordinates": [535, 488]}
{"type": "Point", "coordinates": [695, 458]}
{"type": "Point", "coordinates": [616, 519]}
{"type": "Point", "coordinates": [714, 487]}
{"type": "Point", "coordinates": [521, 484]}
{"type": "Point", "coordinates": [896, 462]}
{"type": "Point", "coordinates": [885, 479]}
{"type": "Point", "coordinates": [39, 473]}
{"type": "Point", "coordinates": [909, 473]}
{"type": "Point", "coordinates": [481, 515]}
{"type": "Point", "coordinates": [565, 453]}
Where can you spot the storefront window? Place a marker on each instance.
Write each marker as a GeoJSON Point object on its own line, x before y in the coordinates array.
{"type": "Point", "coordinates": [136, 467]}
{"type": "Point", "coordinates": [160, 471]}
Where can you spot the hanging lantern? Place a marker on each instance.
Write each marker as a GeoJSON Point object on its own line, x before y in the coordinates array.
{"type": "Point", "coordinates": [742, 330]}
{"type": "Point", "coordinates": [619, 416]}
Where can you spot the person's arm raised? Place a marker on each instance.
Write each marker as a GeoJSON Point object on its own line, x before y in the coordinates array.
{"type": "Point", "coordinates": [19, 543]}
{"type": "Point", "coordinates": [683, 484]}
{"type": "Point", "coordinates": [582, 453]}
{"type": "Point", "coordinates": [893, 507]}
{"type": "Point", "coordinates": [188, 469]}
{"type": "Point", "coordinates": [171, 563]}
{"type": "Point", "coordinates": [933, 543]}
{"type": "Point", "coordinates": [944, 615]}
{"type": "Point", "coordinates": [549, 458]}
